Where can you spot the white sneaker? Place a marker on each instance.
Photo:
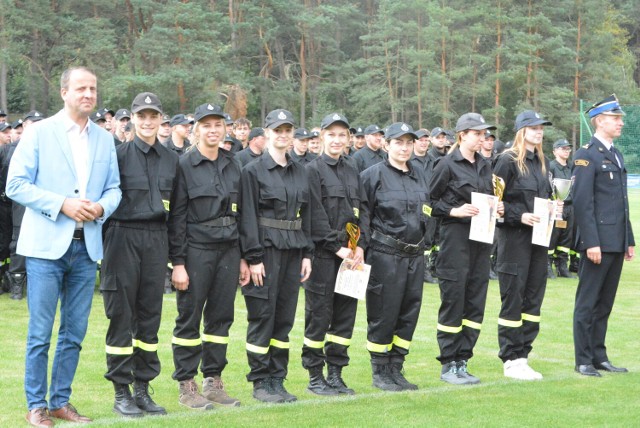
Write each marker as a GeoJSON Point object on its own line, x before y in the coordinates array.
{"type": "Point", "coordinates": [515, 370]}
{"type": "Point", "coordinates": [527, 369]}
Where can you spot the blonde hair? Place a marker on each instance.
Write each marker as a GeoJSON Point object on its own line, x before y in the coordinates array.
{"type": "Point", "coordinates": [458, 141]}
{"type": "Point", "coordinates": [519, 149]}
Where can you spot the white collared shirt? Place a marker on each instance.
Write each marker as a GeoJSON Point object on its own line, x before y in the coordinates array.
{"type": "Point", "coordinates": [79, 144]}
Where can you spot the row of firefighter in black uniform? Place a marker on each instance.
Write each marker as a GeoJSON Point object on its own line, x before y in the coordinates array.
{"type": "Point", "coordinates": [275, 224]}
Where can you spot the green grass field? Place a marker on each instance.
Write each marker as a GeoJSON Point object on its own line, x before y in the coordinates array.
{"type": "Point", "coordinates": [563, 398]}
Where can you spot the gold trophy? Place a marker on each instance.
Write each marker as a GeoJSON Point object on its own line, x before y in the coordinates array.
{"type": "Point", "coordinates": [561, 190]}
{"type": "Point", "coordinates": [498, 190]}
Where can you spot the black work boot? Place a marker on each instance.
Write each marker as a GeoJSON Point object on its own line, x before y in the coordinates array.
{"type": "Point", "coordinates": [124, 404]}
{"type": "Point", "coordinates": [277, 384]}
{"type": "Point", "coordinates": [334, 378]}
{"type": "Point", "coordinates": [262, 391]}
{"type": "Point", "coordinates": [427, 271]}
{"type": "Point", "coordinates": [143, 399]}
{"type": "Point", "coordinates": [18, 281]}
{"type": "Point", "coordinates": [5, 286]}
{"type": "Point", "coordinates": [398, 377]}
{"type": "Point", "coordinates": [574, 263]}
{"type": "Point", "coordinates": [561, 267]}
{"type": "Point", "coordinates": [381, 374]}
{"type": "Point", "coordinates": [317, 383]}
{"type": "Point", "coordinates": [550, 273]}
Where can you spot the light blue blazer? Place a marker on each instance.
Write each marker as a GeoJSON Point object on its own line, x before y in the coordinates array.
{"type": "Point", "coordinates": [42, 174]}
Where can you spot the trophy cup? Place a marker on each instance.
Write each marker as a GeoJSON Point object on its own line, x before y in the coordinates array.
{"type": "Point", "coordinates": [498, 190]}
{"type": "Point", "coordinates": [561, 190]}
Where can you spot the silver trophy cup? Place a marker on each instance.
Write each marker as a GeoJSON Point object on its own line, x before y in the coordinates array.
{"type": "Point", "coordinates": [561, 190]}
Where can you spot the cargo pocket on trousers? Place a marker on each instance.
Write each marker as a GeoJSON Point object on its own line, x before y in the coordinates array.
{"type": "Point", "coordinates": [251, 290]}
{"type": "Point", "coordinates": [111, 295]}
{"type": "Point", "coordinates": [447, 274]}
{"type": "Point", "coordinates": [374, 300]}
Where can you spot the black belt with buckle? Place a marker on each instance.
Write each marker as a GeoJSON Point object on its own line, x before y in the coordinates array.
{"type": "Point", "coordinates": [78, 234]}
{"type": "Point", "coordinates": [219, 222]}
{"type": "Point", "coordinates": [280, 224]}
{"type": "Point", "coordinates": [397, 244]}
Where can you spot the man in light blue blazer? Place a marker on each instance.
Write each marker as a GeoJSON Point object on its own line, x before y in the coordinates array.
{"type": "Point", "coordinates": [65, 173]}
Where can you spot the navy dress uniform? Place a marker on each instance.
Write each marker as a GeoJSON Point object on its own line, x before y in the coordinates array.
{"type": "Point", "coordinates": [133, 269]}
{"type": "Point", "coordinates": [602, 216]}
{"type": "Point", "coordinates": [275, 230]}
{"type": "Point", "coordinates": [204, 238]}
{"type": "Point", "coordinates": [521, 266]}
{"type": "Point", "coordinates": [337, 197]}
{"type": "Point", "coordinates": [398, 209]}
{"type": "Point", "coordinates": [463, 265]}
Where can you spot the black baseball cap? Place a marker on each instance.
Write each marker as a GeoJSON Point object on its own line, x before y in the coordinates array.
{"type": "Point", "coordinates": [122, 113]}
{"type": "Point", "coordinates": [33, 116]}
{"type": "Point", "coordinates": [207, 109]}
{"type": "Point", "coordinates": [104, 111]}
{"type": "Point", "coordinates": [472, 121]}
{"type": "Point", "coordinates": [529, 118]}
{"type": "Point", "coordinates": [165, 119]}
{"type": "Point", "coordinates": [16, 123]}
{"type": "Point", "coordinates": [302, 134]}
{"type": "Point", "coordinates": [437, 131]}
{"type": "Point", "coordinates": [227, 119]}
{"type": "Point", "coordinates": [373, 129]}
{"type": "Point", "coordinates": [180, 119]}
{"type": "Point", "coordinates": [332, 118]}
{"type": "Point", "coordinates": [359, 132]}
{"type": "Point", "coordinates": [4, 126]}
{"type": "Point", "coordinates": [96, 116]}
{"type": "Point", "coordinates": [278, 117]}
{"type": "Point", "coordinates": [421, 133]}
{"type": "Point", "coordinates": [146, 101]}
{"type": "Point", "coordinates": [255, 133]}
{"type": "Point", "coordinates": [561, 143]}
{"type": "Point", "coordinates": [3, 113]}
{"type": "Point", "coordinates": [399, 129]}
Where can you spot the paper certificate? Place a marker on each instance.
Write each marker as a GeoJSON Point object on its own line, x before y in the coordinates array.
{"type": "Point", "coordinates": [545, 209]}
{"type": "Point", "coordinates": [483, 225]}
{"type": "Point", "coordinates": [353, 283]}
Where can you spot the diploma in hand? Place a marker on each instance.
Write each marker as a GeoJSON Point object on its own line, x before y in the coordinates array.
{"type": "Point", "coordinates": [561, 190]}
{"type": "Point", "coordinates": [352, 281]}
{"type": "Point", "coordinates": [498, 190]}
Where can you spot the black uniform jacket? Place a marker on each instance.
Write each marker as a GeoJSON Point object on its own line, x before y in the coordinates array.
{"type": "Point", "coordinates": [246, 155]}
{"type": "Point", "coordinates": [147, 179]}
{"type": "Point", "coordinates": [205, 190]}
{"type": "Point", "coordinates": [398, 201]}
{"type": "Point", "coordinates": [454, 179]}
{"type": "Point", "coordinates": [600, 200]}
{"type": "Point", "coordinates": [521, 190]}
{"type": "Point", "coordinates": [274, 192]}
{"type": "Point", "coordinates": [425, 162]}
{"type": "Point", "coordinates": [179, 150]}
{"type": "Point", "coordinates": [304, 159]}
{"type": "Point", "coordinates": [365, 157]}
{"type": "Point", "coordinates": [337, 198]}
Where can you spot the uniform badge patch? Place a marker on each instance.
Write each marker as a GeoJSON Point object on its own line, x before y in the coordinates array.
{"type": "Point", "coordinates": [166, 204]}
{"type": "Point", "coordinates": [426, 210]}
{"type": "Point", "coordinates": [581, 162]}
{"type": "Point", "coordinates": [356, 212]}
{"type": "Point", "coordinates": [234, 208]}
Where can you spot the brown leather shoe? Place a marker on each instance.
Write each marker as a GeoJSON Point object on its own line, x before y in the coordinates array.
{"type": "Point", "coordinates": [39, 417]}
{"type": "Point", "coordinates": [69, 413]}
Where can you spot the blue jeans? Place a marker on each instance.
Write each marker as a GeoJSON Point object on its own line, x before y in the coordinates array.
{"type": "Point", "coordinates": [70, 279]}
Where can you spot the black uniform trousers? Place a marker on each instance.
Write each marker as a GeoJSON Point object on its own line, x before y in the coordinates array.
{"type": "Point", "coordinates": [213, 280]}
{"type": "Point", "coordinates": [329, 317]}
{"type": "Point", "coordinates": [562, 239]}
{"type": "Point", "coordinates": [18, 263]}
{"type": "Point", "coordinates": [271, 311]}
{"type": "Point", "coordinates": [6, 227]}
{"type": "Point", "coordinates": [522, 273]}
{"type": "Point", "coordinates": [133, 271]}
{"type": "Point", "coordinates": [394, 298]}
{"type": "Point", "coordinates": [463, 274]}
{"type": "Point", "coordinates": [594, 301]}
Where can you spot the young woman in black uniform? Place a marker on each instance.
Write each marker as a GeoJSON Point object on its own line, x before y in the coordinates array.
{"type": "Point", "coordinates": [337, 198]}
{"type": "Point", "coordinates": [521, 266]}
{"type": "Point", "coordinates": [398, 207]}
{"type": "Point", "coordinates": [205, 252]}
{"type": "Point", "coordinates": [463, 265]}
